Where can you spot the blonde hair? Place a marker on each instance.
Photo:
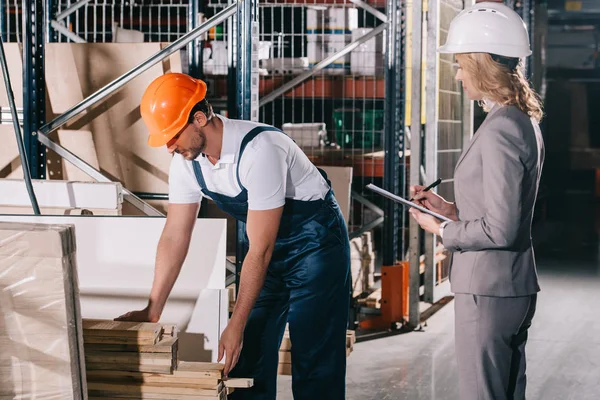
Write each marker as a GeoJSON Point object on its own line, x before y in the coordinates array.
{"type": "Point", "coordinates": [496, 82]}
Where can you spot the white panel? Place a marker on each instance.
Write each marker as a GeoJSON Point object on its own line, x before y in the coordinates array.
{"type": "Point", "coordinates": [115, 262]}
{"type": "Point", "coordinates": [67, 194]}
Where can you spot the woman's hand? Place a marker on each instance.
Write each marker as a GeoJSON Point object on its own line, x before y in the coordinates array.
{"type": "Point", "coordinates": [428, 222]}
{"type": "Point", "coordinates": [433, 201]}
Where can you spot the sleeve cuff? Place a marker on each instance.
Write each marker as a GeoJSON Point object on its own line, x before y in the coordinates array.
{"type": "Point", "coordinates": [442, 226]}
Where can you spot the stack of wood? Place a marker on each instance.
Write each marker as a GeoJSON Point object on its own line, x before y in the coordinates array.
{"type": "Point", "coordinates": [285, 351]}
{"type": "Point", "coordinates": [140, 361]}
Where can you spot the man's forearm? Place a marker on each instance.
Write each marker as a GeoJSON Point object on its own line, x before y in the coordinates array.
{"type": "Point", "coordinates": [254, 271]}
{"type": "Point", "coordinates": [170, 256]}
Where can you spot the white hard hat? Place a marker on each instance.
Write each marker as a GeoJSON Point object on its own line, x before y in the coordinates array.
{"type": "Point", "coordinates": [488, 28]}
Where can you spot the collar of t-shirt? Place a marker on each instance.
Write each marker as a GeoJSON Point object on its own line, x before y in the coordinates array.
{"type": "Point", "coordinates": [228, 147]}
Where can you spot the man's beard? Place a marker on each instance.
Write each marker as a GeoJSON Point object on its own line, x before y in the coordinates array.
{"type": "Point", "coordinates": [196, 148]}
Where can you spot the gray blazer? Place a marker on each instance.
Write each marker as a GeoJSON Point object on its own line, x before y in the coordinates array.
{"type": "Point", "coordinates": [496, 182]}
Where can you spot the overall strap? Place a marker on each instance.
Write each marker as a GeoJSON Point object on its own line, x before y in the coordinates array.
{"type": "Point", "coordinates": [199, 176]}
{"type": "Point", "coordinates": [249, 136]}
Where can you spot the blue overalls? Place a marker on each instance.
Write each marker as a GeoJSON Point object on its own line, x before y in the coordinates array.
{"type": "Point", "coordinates": [308, 285]}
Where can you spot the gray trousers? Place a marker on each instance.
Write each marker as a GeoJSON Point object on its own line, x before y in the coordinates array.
{"type": "Point", "coordinates": [491, 333]}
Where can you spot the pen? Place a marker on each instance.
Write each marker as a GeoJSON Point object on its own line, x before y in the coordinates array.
{"type": "Point", "coordinates": [434, 184]}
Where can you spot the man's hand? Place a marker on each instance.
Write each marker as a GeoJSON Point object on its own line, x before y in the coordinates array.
{"type": "Point", "coordinates": [230, 345]}
{"type": "Point", "coordinates": [433, 201]}
{"type": "Point", "coordinates": [139, 316]}
{"type": "Point", "coordinates": [428, 222]}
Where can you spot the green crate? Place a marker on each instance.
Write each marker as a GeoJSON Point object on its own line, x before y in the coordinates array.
{"type": "Point", "coordinates": [357, 128]}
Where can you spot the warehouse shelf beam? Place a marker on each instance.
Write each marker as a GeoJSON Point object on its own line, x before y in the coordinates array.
{"type": "Point", "coordinates": [60, 28]}
{"type": "Point", "coordinates": [366, 227]}
{"type": "Point", "coordinates": [367, 7]}
{"type": "Point", "coordinates": [415, 161]}
{"type": "Point", "coordinates": [68, 11]}
{"type": "Point", "coordinates": [429, 169]}
{"type": "Point", "coordinates": [34, 84]}
{"type": "Point", "coordinates": [395, 133]}
{"type": "Point", "coordinates": [321, 65]}
{"type": "Point", "coordinates": [356, 196]}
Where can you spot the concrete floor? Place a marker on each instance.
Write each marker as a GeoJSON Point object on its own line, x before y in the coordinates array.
{"type": "Point", "coordinates": [563, 351]}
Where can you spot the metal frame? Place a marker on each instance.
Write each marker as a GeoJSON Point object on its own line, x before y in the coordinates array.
{"type": "Point", "coordinates": [3, 27]}
{"type": "Point", "coordinates": [194, 51]}
{"type": "Point", "coordinates": [393, 180]}
{"type": "Point", "coordinates": [246, 92]}
{"type": "Point", "coordinates": [415, 160]}
{"type": "Point", "coordinates": [431, 133]}
{"type": "Point", "coordinates": [34, 84]}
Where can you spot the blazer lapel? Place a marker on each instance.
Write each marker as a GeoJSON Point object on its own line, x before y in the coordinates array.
{"type": "Point", "coordinates": [477, 135]}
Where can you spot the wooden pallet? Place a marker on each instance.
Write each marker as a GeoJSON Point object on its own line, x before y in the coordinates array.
{"type": "Point", "coordinates": [285, 351]}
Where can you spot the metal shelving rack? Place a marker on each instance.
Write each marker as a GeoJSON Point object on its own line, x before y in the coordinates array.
{"type": "Point", "coordinates": [394, 91]}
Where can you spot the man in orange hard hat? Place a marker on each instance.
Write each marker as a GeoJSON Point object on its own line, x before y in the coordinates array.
{"type": "Point", "coordinates": [297, 268]}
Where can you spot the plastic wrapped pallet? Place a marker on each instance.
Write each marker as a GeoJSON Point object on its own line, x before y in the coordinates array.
{"type": "Point", "coordinates": [41, 342]}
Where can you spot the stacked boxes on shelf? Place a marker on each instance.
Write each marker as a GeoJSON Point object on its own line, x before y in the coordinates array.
{"type": "Point", "coordinates": [368, 58]}
{"type": "Point", "coordinates": [329, 30]}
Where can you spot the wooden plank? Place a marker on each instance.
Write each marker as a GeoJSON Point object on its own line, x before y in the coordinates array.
{"type": "Point", "coordinates": [186, 369]}
{"type": "Point", "coordinates": [120, 340]}
{"type": "Point", "coordinates": [109, 357]}
{"type": "Point", "coordinates": [240, 383]}
{"type": "Point", "coordinates": [155, 369]}
{"type": "Point", "coordinates": [108, 328]}
{"type": "Point", "coordinates": [149, 388]}
{"type": "Point", "coordinates": [165, 345]}
{"type": "Point", "coordinates": [102, 395]}
{"type": "Point", "coordinates": [128, 376]}
{"type": "Point", "coordinates": [170, 330]}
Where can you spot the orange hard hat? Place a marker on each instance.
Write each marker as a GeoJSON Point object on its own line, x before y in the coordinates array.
{"type": "Point", "coordinates": [166, 105]}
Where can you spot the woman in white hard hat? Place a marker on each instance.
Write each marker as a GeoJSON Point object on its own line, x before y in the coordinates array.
{"type": "Point", "coordinates": [496, 179]}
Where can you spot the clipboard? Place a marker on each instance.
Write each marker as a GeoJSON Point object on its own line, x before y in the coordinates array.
{"type": "Point", "coordinates": [399, 199]}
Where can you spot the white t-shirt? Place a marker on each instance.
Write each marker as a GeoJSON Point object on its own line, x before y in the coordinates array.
{"type": "Point", "coordinates": [272, 169]}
